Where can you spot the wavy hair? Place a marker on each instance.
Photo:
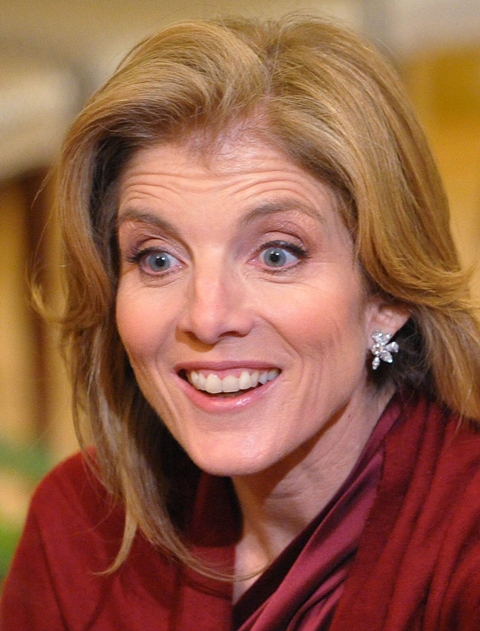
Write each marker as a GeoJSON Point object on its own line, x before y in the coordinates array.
{"type": "Point", "coordinates": [335, 107]}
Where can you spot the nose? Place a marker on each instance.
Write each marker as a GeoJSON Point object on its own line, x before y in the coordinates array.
{"type": "Point", "coordinates": [216, 306]}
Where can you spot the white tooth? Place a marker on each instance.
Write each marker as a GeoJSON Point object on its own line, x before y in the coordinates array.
{"type": "Point", "coordinates": [193, 378]}
{"type": "Point", "coordinates": [272, 374]}
{"type": "Point", "coordinates": [213, 384]}
{"type": "Point", "coordinates": [230, 384]}
{"type": "Point", "coordinates": [244, 382]}
{"type": "Point", "coordinates": [201, 382]}
{"type": "Point", "coordinates": [254, 377]}
{"type": "Point", "coordinates": [263, 377]}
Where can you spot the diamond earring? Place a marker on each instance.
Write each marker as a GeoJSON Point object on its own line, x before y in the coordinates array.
{"type": "Point", "coordinates": [382, 348]}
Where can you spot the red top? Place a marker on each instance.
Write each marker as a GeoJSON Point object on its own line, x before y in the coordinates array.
{"type": "Point", "coordinates": [416, 567]}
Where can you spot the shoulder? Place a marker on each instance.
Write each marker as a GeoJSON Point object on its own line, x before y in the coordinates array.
{"type": "Point", "coordinates": [71, 500]}
{"type": "Point", "coordinates": [72, 535]}
{"type": "Point", "coordinates": [71, 475]}
{"type": "Point", "coordinates": [444, 493]}
{"type": "Point", "coordinates": [432, 439]}
{"type": "Point", "coordinates": [432, 460]}
{"type": "Point", "coordinates": [419, 555]}
{"type": "Point", "coordinates": [71, 480]}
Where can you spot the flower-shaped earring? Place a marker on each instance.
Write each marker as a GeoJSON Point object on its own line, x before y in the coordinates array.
{"type": "Point", "coordinates": [382, 348]}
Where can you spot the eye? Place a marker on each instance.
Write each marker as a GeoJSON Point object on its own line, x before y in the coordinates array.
{"type": "Point", "coordinates": [156, 261]}
{"type": "Point", "coordinates": [281, 255]}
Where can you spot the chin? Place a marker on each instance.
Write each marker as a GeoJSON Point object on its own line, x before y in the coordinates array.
{"type": "Point", "coordinates": [230, 464]}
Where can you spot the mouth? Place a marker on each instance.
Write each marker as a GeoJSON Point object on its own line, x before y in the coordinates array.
{"type": "Point", "coordinates": [228, 383]}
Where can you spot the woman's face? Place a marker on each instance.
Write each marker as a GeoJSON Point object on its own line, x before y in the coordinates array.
{"type": "Point", "coordinates": [242, 309]}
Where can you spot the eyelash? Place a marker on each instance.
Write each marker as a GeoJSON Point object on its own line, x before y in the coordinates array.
{"type": "Point", "coordinates": [297, 250]}
{"type": "Point", "coordinates": [139, 255]}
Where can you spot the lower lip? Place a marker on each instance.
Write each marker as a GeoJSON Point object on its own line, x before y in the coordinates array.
{"type": "Point", "coordinates": [218, 404]}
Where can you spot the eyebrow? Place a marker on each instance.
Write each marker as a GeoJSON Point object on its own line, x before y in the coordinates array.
{"type": "Point", "coordinates": [145, 217]}
{"type": "Point", "coordinates": [263, 210]}
{"type": "Point", "coordinates": [280, 206]}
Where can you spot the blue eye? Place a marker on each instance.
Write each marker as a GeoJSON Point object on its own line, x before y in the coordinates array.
{"type": "Point", "coordinates": [281, 256]}
{"type": "Point", "coordinates": [158, 261]}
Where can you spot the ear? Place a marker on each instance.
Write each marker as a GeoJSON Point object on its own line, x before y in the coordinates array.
{"type": "Point", "coordinates": [386, 317]}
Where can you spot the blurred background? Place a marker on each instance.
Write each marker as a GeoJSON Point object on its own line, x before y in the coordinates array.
{"type": "Point", "coordinates": [54, 53]}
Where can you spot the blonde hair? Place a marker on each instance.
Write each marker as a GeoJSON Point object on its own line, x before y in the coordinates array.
{"type": "Point", "coordinates": [336, 108]}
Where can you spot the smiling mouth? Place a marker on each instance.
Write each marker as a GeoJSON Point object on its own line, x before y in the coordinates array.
{"type": "Point", "coordinates": [230, 384]}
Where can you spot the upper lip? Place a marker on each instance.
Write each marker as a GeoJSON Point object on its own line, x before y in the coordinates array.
{"type": "Point", "coordinates": [216, 366]}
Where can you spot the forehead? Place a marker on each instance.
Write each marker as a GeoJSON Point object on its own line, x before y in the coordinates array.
{"type": "Point", "coordinates": [246, 166]}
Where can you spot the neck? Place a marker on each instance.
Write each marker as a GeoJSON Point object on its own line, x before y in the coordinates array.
{"type": "Point", "coordinates": [277, 504]}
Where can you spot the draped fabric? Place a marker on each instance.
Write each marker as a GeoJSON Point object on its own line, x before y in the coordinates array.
{"type": "Point", "coordinates": [418, 561]}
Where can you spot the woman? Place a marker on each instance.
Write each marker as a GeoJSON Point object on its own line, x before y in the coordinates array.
{"type": "Point", "coordinates": [251, 215]}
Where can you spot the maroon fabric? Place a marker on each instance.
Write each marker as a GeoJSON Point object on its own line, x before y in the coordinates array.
{"type": "Point", "coordinates": [417, 564]}
{"type": "Point", "coordinates": [72, 534]}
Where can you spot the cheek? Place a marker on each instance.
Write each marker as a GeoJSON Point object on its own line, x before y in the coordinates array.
{"type": "Point", "coordinates": [326, 318]}
{"type": "Point", "coordinates": [138, 322]}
